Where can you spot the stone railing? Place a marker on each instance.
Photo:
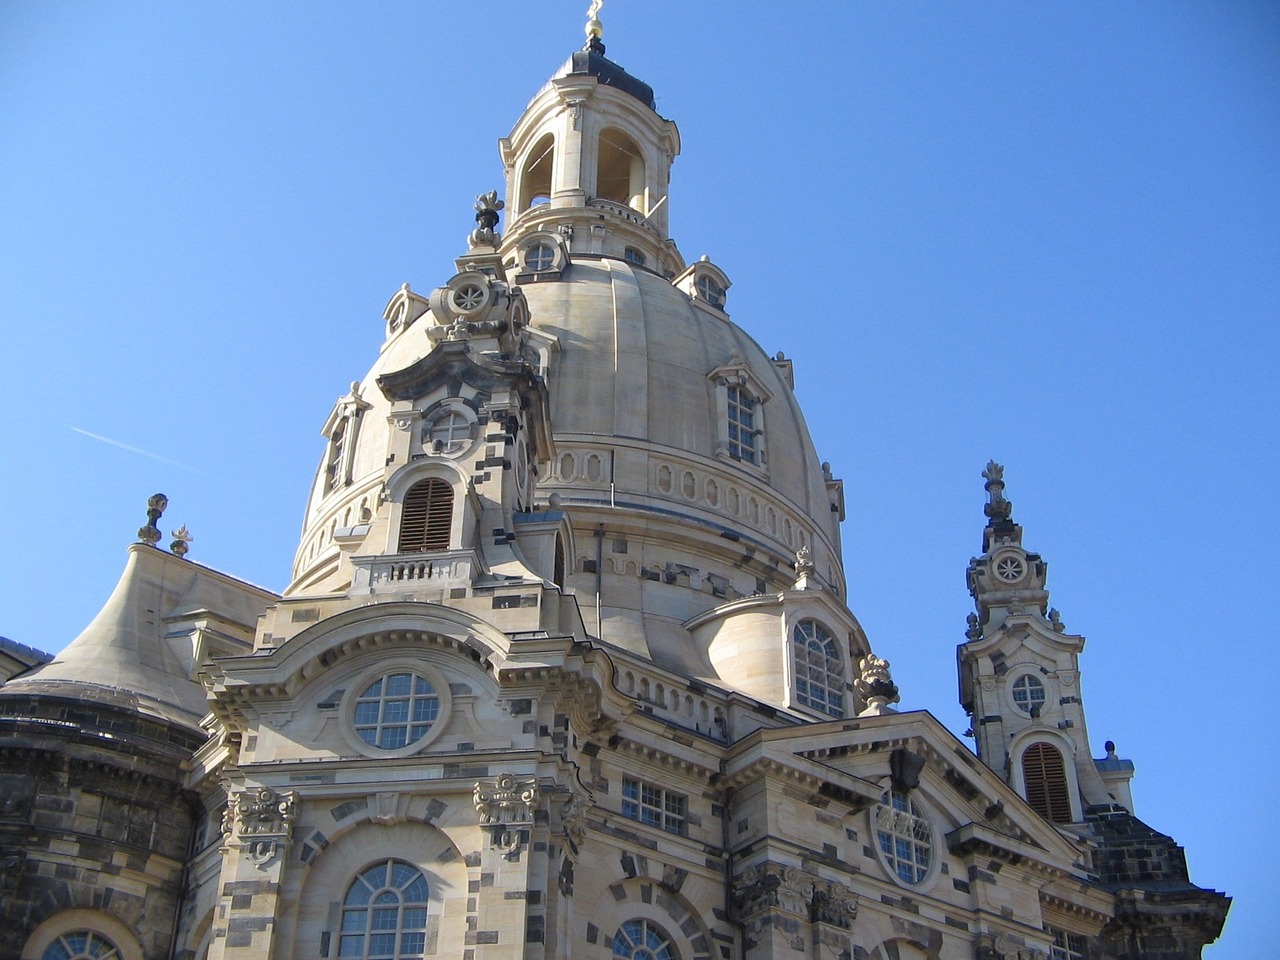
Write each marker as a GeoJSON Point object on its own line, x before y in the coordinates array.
{"type": "Point", "coordinates": [627, 213]}
{"type": "Point", "coordinates": [410, 572]}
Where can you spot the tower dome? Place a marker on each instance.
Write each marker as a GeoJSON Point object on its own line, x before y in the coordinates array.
{"type": "Point", "coordinates": [579, 372]}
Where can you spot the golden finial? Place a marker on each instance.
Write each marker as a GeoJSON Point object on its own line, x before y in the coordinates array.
{"type": "Point", "coordinates": [595, 29]}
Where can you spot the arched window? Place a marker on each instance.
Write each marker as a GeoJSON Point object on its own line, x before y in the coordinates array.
{"type": "Point", "coordinates": [535, 182]}
{"type": "Point", "coordinates": [819, 668]}
{"type": "Point", "coordinates": [334, 462]}
{"type": "Point", "coordinates": [620, 175]}
{"type": "Point", "coordinates": [426, 519]}
{"type": "Point", "coordinates": [743, 435]}
{"type": "Point", "coordinates": [384, 915]}
{"type": "Point", "coordinates": [643, 940]}
{"type": "Point", "coordinates": [557, 570]}
{"type": "Point", "coordinates": [1044, 778]}
{"type": "Point", "coordinates": [80, 945]}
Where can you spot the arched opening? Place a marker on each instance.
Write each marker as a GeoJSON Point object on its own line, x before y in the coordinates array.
{"type": "Point", "coordinates": [620, 174]}
{"type": "Point", "coordinates": [535, 179]}
{"type": "Point", "coordinates": [426, 519]}
{"type": "Point", "coordinates": [1044, 779]}
{"type": "Point", "coordinates": [557, 572]}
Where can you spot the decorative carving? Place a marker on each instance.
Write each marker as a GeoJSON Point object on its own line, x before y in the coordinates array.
{"type": "Point", "coordinates": [997, 508]}
{"type": "Point", "coordinates": [1055, 620]}
{"type": "Point", "coordinates": [876, 686]}
{"type": "Point", "coordinates": [506, 799]}
{"type": "Point", "coordinates": [834, 904]}
{"type": "Point", "coordinates": [1001, 946]}
{"type": "Point", "coordinates": [773, 886]}
{"type": "Point", "coordinates": [150, 533]}
{"type": "Point", "coordinates": [262, 820]}
{"type": "Point", "coordinates": [904, 769]}
{"type": "Point", "coordinates": [487, 207]}
{"type": "Point", "coordinates": [181, 537]}
{"type": "Point", "coordinates": [804, 567]}
{"type": "Point", "coordinates": [573, 818]}
{"type": "Point", "coordinates": [259, 812]}
{"type": "Point", "coordinates": [595, 29]}
{"type": "Point", "coordinates": [974, 629]}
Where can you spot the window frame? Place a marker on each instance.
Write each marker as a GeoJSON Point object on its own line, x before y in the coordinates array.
{"type": "Point", "coordinates": [433, 538]}
{"type": "Point", "coordinates": [1063, 947]}
{"type": "Point", "coordinates": [639, 943]}
{"type": "Point", "coordinates": [833, 683]}
{"type": "Point", "coordinates": [360, 683]}
{"type": "Point", "coordinates": [1030, 683]}
{"type": "Point", "coordinates": [735, 377]}
{"type": "Point", "coordinates": [650, 804]}
{"type": "Point", "coordinates": [905, 810]}
{"type": "Point", "coordinates": [367, 910]}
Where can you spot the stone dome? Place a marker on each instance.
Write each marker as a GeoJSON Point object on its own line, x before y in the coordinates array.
{"type": "Point", "coordinates": [581, 354]}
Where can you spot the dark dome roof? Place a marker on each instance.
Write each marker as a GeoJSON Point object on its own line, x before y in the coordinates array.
{"type": "Point", "coordinates": [591, 61]}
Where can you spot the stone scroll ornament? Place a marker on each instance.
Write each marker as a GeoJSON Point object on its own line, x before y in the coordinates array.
{"type": "Point", "coordinates": [261, 821]}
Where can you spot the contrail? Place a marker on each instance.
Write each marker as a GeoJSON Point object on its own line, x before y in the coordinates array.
{"type": "Point", "coordinates": [125, 446]}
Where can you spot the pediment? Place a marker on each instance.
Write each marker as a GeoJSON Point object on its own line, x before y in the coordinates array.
{"type": "Point", "coordinates": [850, 762]}
{"type": "Point", "coordinates": [453, 361]}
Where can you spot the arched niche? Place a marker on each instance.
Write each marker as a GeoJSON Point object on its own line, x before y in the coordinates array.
{"type": "Point", "coordinates": [536, 174]}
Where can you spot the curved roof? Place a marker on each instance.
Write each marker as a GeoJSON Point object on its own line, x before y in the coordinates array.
{"type": "Point", "coordinates": [137, 653]}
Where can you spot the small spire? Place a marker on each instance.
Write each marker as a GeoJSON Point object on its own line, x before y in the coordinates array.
{"type": "Point", "coordinates": [181, 537]}
{"type": "Point", "coordinates": [595, 29]}
{"type": "Point", "coordinates": [150, 533]}
{"type": "Point", "coordinates": [997, 508]}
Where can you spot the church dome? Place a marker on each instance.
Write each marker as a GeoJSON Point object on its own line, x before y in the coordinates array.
{"type": "Point", "coordinates": [581, 357]}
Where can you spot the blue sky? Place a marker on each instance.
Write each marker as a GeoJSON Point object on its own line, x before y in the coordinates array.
{"type": "Point", "coordinates": [1044, 233]}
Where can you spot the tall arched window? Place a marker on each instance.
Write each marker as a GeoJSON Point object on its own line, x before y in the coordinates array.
{"type": "Point", "coordinates": [384, 915]}
{"type": "Point", "coordinates": [620, 174]}
{"type": "Point", "coordinates": [1044, 777]}
{"type": "Point", "coordinates": [427, 516]}
{"type": "Point", "coordinates": [333, 469]}
{"type": "Point", "coordinates": [81, 945]}
{"type": "Point", "coordinates": [643, 940]}
{"type": "Point", "coordinates": [535, 181]}
{"type": "Point", "coordinates": [819, 668]}
{"type": "Point", "coordinates": [742, 425]}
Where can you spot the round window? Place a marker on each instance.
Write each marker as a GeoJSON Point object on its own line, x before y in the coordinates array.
{"type": "Point", "coordinates": [448, 432]}
{"type": "Point", "coordinates": [396, 710]}
{"type": "Point", "coordinates": [1010, 569]}
{"type": "Point", "coordinates": [539, 258]}
{"type": "Point", "coordinates": [469, 297]}
{"type": "Point", "coordinates": [1028, 694]}
{"type": "Point", "coordinates": [903, 837]}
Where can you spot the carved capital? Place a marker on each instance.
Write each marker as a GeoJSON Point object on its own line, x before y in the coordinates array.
{"type": "Point", "coordinates": [506, 799]}
{"type": "Point", "coordinates": [260, 822]}
{"type": "Point", "coordinates": [834, 904]}
{"type": "Point", "coordinates": [772, 886]}
{"type": "Point", "coordinates": [260, 813]}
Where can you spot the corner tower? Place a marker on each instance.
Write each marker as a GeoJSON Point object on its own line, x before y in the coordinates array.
{"type": "Point", "coordinates": [1020, 678]}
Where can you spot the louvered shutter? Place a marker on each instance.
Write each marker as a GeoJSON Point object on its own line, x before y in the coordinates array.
{"type": "Point", "coordinates": [1045, 779]}
{"type": "Point", "coordinates": [427, 516]}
